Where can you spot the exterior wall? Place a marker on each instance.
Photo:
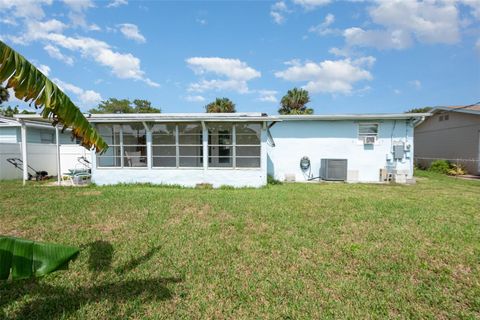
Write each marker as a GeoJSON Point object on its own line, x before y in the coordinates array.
{"type": "Point", "coordinates": [452, 139]}
{"type": "Point", "coordinates": [251, 177]}
{"type": "Point", "coordinates": [337, 139]}
{"type": "Point", "coordinates": [9, 134]}
{"type": "Point", "coordinates": [40, 157]}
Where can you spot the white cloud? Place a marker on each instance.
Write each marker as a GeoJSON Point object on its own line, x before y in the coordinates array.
{"type": "Point", "coordinates": [311, 4]}
{"type": "Point", "coordinates": [402, 22]}
{"type": "Point", "coordinates": [25, 8]}
{"type": "Point", "coordinates": [196, 98]}
{"type": "Point", "coordinates": [329, 76]}
{"type": "Point", "coordinates": [278, 11]}
{"type": "Point", "coordinates": [55, 53]}
{"type": "Point", "coordinates": [86, 98]}
{"type": "Point", "coordinates": [44, 69]}
{"type": "Point", "coordinates": [380, 39]}
{"type": "Point", "coordinates": [235, 74]}
{"type": "Point", "coordinates": [323, 28]}
{"type": "Point", "coordinates": [397, 91]}
{"type": "Point", "coordinates": [130, 31]}
{"type": "Point", "coordinates": [77, 13]}
{"type": "Point", "coordinates": [416, 83]}
{"type": "Point", "coordinates": [117, 3]}
{"type": "Point", "coordinates": [203, 22]}
{"type": "Point", "coordinates": [268, 95]}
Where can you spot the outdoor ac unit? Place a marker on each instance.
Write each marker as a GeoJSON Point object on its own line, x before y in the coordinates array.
{"type": "Point", "coordinates": [333, 169]}
{"type": "Point", "coordinates": [369, 139]}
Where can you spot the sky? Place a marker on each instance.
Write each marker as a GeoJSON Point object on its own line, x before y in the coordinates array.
{"type": "Point", "coordinates": [352, 56]}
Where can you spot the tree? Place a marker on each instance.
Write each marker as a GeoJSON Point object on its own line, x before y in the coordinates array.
{"type": "Point", "coordinates": [114, 105]}
{"type": "Point", "coordinates": [294, 102]}
{"type": "Point", "coordinates": [9, 111]}
{"type": "Point", "coordinates": [220, 105]}
{"type": "Point", "coordinates": [4, 95]}
{"type": "Point", "coordinates": [420, 110]}
{"type": "Point", "coordinates": [30, 85]}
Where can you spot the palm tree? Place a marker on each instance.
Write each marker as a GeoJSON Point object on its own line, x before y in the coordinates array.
{"type": "Point", "coordinates": [294, 102]}
{"type": "Point", "coordinates": [30, 85]}
{"type": "Point", "coordinates": [4, 95]}
{"type": "Point", "coordinates": [223, 105]}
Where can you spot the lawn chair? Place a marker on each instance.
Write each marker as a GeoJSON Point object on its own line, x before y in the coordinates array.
{"type": "Point", "coordinates": [81, 174]}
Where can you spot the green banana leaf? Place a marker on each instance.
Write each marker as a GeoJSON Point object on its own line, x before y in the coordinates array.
{"type": "Point", "coordinates": [29, 259]}
{"type": "Point", "coordinates": [31, 85]}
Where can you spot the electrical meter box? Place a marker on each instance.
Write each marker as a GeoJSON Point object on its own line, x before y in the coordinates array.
{"type": "Point", "coordinates": [398, 152]}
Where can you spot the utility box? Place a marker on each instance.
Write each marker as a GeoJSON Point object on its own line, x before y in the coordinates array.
{"type": "Point", "coordinates": [398, 151]}
{"type": "Point", "coordinates": [333, 169]}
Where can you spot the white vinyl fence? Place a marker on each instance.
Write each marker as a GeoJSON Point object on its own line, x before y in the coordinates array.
{"type": "Point", "coordinates": [41, 157]}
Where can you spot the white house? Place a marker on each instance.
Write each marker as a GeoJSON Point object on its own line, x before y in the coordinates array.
{"type": "Point", "coordinates": [40, 144]}
{"type": "Point", "coordinates": [241, 149]}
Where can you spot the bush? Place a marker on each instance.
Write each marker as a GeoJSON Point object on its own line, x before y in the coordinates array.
{"type": "Point", "coordinates": [440, 166]}
{"type": "Point", "coordinates": [457, 170]}
{"type": "Point", "coordinates": [272, 180]}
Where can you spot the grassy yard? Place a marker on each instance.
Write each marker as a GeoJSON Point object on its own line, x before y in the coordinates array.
{"type": "Point", "coordinates": [291, 251]}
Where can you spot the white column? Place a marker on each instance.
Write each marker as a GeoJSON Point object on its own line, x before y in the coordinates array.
{"type": "Point", "coordinates": [263, 151]}
{"type": "Point", "coordinates": [205, 145]}
{"type": "Point", "coordinates": [149, 145]}
{"type": "Point", "coordinates": [234, 144]}
{"type": "Point", "coordinates": [59, 171]}
{"type": "Point", "coordinates": [24, 152]}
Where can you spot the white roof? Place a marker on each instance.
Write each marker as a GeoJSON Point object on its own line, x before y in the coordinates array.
{"type": "Point", "coordinates": [228, 117]}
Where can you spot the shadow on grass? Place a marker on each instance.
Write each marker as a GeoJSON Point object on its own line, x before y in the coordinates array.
{"type": "Point", "coordinates": [53, 302]}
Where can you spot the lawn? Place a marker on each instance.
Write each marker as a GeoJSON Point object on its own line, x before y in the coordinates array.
{"type": "Point", "coordinates": [290, 251]}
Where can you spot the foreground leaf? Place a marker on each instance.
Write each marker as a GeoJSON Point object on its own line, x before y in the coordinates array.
{"type": "Point", "coordinates": [30, 85]}
{"type": "Point", "coordinates": [27, 259]}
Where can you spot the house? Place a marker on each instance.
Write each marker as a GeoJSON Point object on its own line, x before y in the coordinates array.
{"type": "Point", "coordinates": [41, 146]}
{"type": "Point", "coordinates": [241, 149]}
{"type": "Point", "coordinates": [450, 133]}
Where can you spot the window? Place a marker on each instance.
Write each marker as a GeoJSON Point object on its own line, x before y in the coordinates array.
{"type": "Point", "coordinates": [440, 118]}
{"type": "Point", "coordinates": [46, 137]}
{"type": "Point", "coordinates": [446, 117]}
{"type": "Point", "coordinates": [234, 145]}
{"type": "Point", "coordinates": [177, 145]}
{"type": "Point", "coordinates": [127, 145]}
{"type": "Point", "coordinates": [247, 145]}
{"type": "Point", "coordinates": [164, 145]}
{"type": "Point", "coordinates": [134, 145]}
{"type": "Point", "coordinates": [367, 129]}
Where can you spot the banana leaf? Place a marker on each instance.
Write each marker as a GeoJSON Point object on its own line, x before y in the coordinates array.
{"type": "Point", "coordinates": [26, 259]}
{"type": "Point", "coordinates": [32, 86]}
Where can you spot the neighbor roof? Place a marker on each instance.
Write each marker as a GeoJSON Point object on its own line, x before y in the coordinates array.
{"type": "Point", "coordinates": [471, 109]}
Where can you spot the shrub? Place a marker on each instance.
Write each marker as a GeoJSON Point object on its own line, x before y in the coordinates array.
{"type": "Point", "coordinates": [457, 170]}
{"type": "Point", "coordinates": [439, 166]}
{"type": "Point", "coordinates": [272, 180]}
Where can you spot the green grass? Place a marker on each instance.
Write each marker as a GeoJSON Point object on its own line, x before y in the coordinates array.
{"type": "Point", "coordinates": [290, 251]}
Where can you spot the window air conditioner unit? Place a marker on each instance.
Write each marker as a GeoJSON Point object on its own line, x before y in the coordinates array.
{"type": "Point", "coordinates": [369, 139]}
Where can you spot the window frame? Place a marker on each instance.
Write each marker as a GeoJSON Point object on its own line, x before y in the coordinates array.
{"type": "Point", "coordinates": [360, 135]}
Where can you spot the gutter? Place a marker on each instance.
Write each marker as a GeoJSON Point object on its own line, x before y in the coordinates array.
{"type": "Point", "coordinates": [269, 134]}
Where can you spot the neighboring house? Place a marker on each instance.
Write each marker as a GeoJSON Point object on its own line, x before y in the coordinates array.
{"type": "Point", "coordinates": [450, 133]}
{"type": "Point", "coordinates": [41, 143]}
{"type": "Point", "coordinates": [241, 149]}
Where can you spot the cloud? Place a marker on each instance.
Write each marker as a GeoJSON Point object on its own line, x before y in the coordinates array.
{"type": "Point", "coordinates": [203, 22]}
{"type": "Point", "coordinates": [130, 31]}
{"type": "Point", "coordinates": [329, 76]}
{"type": "Point", "coordinates": [278, 11]}
{"type": "Point", "coordinates": [235, 74]}
{"type": "Point", "coordinates": [403, 22]}
{"type": "Point", "coordinates": [25, 8]}
{"type": "Point", "coordinates": [380, 39]}
{"type": "Point", "coordinates": [77, 13]}
{"type": "Point", "coordinates": [323, 28]}
{"type": "Point", "coordinates": [55, 53]}
{"type": "Point", "coordinates": [416, 83]}
{"type": "Point", "coordinates": [311, 4]}
{"type": "Point", "coordinates": [117, 3]}
{"type": "Point", "coordinates": [86, 98]}
{"type": "Point", "coordinates": [44, 69]}
{"type": "Point", "coordinates": [196, 98]}
{"type": "Point", "coordinates": [268, 95]}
